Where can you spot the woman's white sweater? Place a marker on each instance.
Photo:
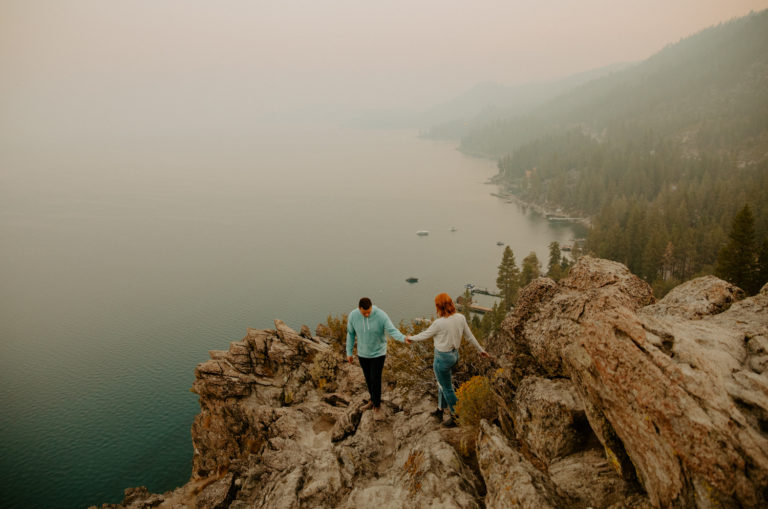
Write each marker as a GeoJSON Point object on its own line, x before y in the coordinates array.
{"type": "Point", "coordinates": [448, 332]}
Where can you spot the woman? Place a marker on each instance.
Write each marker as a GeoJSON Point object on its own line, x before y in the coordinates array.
{"type": "Point", "coordinates": [447, 330]}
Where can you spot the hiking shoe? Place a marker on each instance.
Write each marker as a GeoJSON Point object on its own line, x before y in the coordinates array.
{"type": "Point", "coordinates": [450, 422]}
{"type": "Point", "coordinates": [378, 414]}
{"type": "Point", "coordinates": [367, 406]}
{"type": "Point", "coordinates": [438, 414]}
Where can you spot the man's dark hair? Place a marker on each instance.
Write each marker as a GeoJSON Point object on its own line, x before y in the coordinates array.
{"type": "Point", "coordinates": [365, 303]}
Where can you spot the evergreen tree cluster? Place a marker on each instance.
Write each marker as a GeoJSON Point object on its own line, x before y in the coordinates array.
{"type": "Point", "coordinates": [666, 216]}
{"type": "Point", "coordinates": [512, 279]}
{"type": "Point", "coordinates": [743, 261]}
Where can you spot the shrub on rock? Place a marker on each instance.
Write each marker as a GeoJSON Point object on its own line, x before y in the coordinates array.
{"type": "Point", "coordinates": [476, 401]}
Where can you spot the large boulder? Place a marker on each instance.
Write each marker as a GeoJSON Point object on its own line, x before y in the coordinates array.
{"type": "Point", "coordinates": [669, 390]}
{"type": "Point", "coordinates": [697, 298]}
{"type": "Point", "coordinates": [510, 479]}
{"type": "Point", "coordinates": [549, 418]}
{"type": "Point", "coordinates": [588, 480]}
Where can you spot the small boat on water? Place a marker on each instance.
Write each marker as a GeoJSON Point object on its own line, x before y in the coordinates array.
{"type": "Point", "coordinates": [422, 233]}
{"type": "Point", "coordinates": [453, 228]}
{"type": "Point", "coordinates": [412, 280]}
{"type": "Point", "coordinates": [499, 243]}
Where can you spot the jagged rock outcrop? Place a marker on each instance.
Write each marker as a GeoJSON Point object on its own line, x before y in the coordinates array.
{"type": "Point", "coordinates": [607, 399]}
{"type": "Point", "coordinates": [511, 480]}
{"type": "Point", "coordinates": [268, 435]}
{"type": "Point", "coordinates": [674, 390]}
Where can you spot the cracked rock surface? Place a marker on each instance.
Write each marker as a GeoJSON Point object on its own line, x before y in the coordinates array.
{"type": "Point", "coordinates": [675, 391]}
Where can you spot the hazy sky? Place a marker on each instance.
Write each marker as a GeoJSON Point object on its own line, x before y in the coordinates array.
{"type": "Point", "coordinates": [274, 56]}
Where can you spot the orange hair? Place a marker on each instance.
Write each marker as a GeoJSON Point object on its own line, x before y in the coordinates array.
{"type": "Point", "coordinates": [444, 305]}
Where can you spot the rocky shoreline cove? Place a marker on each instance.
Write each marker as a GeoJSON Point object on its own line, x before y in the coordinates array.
{"type": "Point", "coordinates": [605, 397]}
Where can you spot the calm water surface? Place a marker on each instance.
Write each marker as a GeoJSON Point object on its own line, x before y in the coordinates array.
{"type": "Point", "coordinates": [124, 262]}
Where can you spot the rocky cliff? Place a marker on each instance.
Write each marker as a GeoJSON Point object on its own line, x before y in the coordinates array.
{"type": "Point", "coordinates": [605, 398]}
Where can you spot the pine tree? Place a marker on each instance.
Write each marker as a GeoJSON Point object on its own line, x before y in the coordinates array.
{"type": "Point", "coordinates": [577, 250]}
{"type": "Point", "coordinates": [737, 260]}
{"type": "Point", "coordinates": [491, 321]}
{"type": "Point", "coordinates": [668, 262]}
{"type": "Point", "coordinates": [653, 251]}
{"type": "Point", "coordinates": [554, 268]}
{"type": "Point", "coordinates": [531, 269]}
{"type": "Point", "coordinates": [486, 323]}
{"type": "Point", "coordinates": [508, 280]}
{"type": "Point", "coordinates": [499, 314]}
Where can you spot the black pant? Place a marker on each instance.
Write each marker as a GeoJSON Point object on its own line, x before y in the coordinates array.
{"type": "Point", "coordinates": [372, 369]}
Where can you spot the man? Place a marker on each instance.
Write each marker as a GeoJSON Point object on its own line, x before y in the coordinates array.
{"type": "Point", "coordinates": [367, 325]}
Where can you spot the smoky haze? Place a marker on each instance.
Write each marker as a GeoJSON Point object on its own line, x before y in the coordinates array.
{"type": "Point", "coordinates": [174, 171]}
{"type": "Point", "coordinates": [90, 65]}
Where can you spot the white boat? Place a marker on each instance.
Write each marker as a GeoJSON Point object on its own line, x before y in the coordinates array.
{"type": "Point", "coordinates": [422, 233]}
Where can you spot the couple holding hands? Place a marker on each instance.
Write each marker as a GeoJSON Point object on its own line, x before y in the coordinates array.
{"type": "Point", "coordinates": [368, 326]}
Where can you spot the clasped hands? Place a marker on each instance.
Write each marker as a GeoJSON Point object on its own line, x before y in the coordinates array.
{"type": "Point", "coordinates": [409, 341]}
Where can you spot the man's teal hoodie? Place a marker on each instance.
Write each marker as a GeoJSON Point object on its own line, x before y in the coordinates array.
{"type": "Point", "coordinates": [370, 333]}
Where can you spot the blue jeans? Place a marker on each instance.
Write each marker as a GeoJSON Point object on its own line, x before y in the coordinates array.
{"type": "Point", "coordinates": [444, 362]}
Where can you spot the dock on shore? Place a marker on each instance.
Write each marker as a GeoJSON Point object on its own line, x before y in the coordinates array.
{"type": "Point", "coordinates": [474, 308]}
{"type": "Point", "coordinates": [485, 291]}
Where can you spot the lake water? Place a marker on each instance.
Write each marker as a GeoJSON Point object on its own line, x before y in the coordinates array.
{"type": "Point", "coordinates": [124, 260]}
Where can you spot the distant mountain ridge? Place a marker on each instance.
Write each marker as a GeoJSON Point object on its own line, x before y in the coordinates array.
{"type": "Point", "coordinates": [487, 102]}
{"type": "Point", "coordinates": [484, 102]}
{"type": "Point", "coordinates": [708, 92]}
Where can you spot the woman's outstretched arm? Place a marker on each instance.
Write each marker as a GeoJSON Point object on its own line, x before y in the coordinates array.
{"type": "Point", "coordinates": [429, 333]}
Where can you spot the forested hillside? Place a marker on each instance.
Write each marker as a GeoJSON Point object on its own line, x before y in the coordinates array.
{"type": "Point", "coordinates": [662, 156]}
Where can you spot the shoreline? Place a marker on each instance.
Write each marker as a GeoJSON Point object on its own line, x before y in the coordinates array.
{"type": "Point", "coordinates": [512, 198]}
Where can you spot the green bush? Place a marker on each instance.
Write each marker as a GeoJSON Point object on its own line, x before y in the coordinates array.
{"type": "Point", "coordinates": [477, 401]}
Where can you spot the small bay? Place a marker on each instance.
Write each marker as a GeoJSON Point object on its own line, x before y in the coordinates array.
{"type": "Point", "coordinates": [124, 260]}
